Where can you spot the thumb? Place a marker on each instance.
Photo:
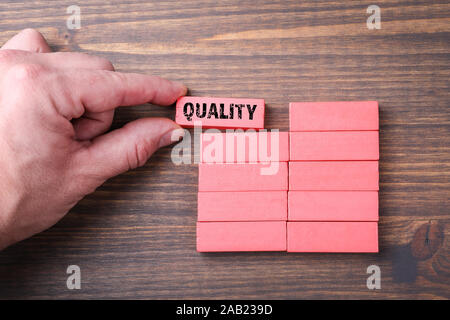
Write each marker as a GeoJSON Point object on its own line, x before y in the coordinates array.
{"type": "Point", "coordinates": [128, 147]}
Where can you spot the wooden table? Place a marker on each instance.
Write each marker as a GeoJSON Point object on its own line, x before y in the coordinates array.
{"type": "Point", "coordinates": [135, 236]}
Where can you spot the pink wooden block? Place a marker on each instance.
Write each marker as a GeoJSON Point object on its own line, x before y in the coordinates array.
{"type": "Point", "coordinates": [333, 206]}
{"type": "Point", "coordinates": [242, 147]}
{"type": "Point", "coordinates": [334, 145]}
{"type": "Point", "coordinates": [333, 175]}
{"type": "Point", "coordinates": [243, 177]}
{"type": "Point", "coordinates": [332, 237]}
{"type": "Point", "coordinates": [220, 112]}
{"type": "Point", "coordinates": [242, 206]}
{"type": "Point", "coordinates": [331, 116]}
{"type": "Point", "coordinates": [241, 236]}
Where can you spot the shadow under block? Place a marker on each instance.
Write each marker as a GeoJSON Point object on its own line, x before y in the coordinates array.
{"type": "Point", "coordinates": [333, 175]}
{"type": "Point", "coordinates": [243, 177]}
{"type": "Point", "coordinates": [333, 116]}
{"type": "Point", "coordinates": [333, 206]}
{"type": "Point", "coordinates": [241, 147]}
{"type": "Point", "coordinates": [332, 237]}
{"type": "Point", "coordinates": [334, 145]}
{"type": "Point", "coordinates": [242, 206]}
{"type": "Point", "coordinates": [241, 236]}
{"type": "Point", "coordinates": [220, 112]}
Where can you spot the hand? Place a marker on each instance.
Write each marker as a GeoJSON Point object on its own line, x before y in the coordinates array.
{"type": "Point", "coordinates": [54, 111]}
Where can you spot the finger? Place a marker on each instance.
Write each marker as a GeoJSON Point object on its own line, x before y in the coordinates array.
{"type": "Point", "coordinates": [100, 91]}
{"type": "Point", "coordinates": [28, 40]}
{"type": "Point", "coordinates": [91, 125]}
{"type": "Point", "coordinates": [126, 148]}
{"type": "Point", "coordinates": [32, 41]}
{"type": "Point", "coordinates": [73, 60]}
{"type": "Point", "coordinates": [58, 60]}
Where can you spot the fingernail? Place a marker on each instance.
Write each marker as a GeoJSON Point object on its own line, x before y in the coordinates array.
{"type": "Point", "coordinates": [183, 90]}
{"type": "Point", "coordinates": [171, 137]}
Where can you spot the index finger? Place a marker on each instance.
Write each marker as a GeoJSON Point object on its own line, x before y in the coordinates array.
{"type": "Point", "coordinates": [102, 90]}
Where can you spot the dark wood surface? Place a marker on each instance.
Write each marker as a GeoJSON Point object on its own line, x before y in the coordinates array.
{"type": "Point", "coordinates": [135, 236]}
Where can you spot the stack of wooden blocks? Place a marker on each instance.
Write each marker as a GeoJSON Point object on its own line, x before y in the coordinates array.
{"type": "Point", "coordinates": [319, 194]}
{"type": "Point", "coordinates": [239, 207]}
{"type": "Point", "coordinates": [333, 177]}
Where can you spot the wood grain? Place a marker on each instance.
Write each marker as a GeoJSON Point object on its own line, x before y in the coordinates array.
{"type": "Point", "coordinates": [135, 236]}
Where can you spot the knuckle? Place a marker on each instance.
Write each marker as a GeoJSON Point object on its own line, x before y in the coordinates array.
{"type": "Point", "coordinates": [96, 79]}
{"type": "Point", "coordinates": [139, 155]}
{"type": "Point", "coordinates": [120, 88]}
{"type": "Point", "coordinates": [118, 77]}
{"type": "Point", "coordinates": [35, 39]}
{"type": "Point", "coordinates": [105, 64]}
{"type": "Point", "coordinates": [95, 62]}
{"type": "Point", "coordinates": [26, 71]}
{"type": "Point", "coordinates": [31, 33]}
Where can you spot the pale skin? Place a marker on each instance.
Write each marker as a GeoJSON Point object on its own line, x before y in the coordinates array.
{"type": "Point", "coordinates": [55, 113]}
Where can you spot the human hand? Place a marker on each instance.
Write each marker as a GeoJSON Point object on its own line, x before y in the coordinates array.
{"type": "Point", "coordinates": [54, 111]}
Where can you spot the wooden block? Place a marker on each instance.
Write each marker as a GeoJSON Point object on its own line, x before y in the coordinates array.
{"type": "Point", "coordinates": [243, 177]}
{"type": "Point", "coordinates": [242, 206]}
{"type": "Point", "coordinates": [332, 116]}
{"type": "Point", "coordinates": [220, 112]}
{"type": "Point", "coordinates": [240, 147]}
{"type": "Point", "coordinates": [241, 236]}
{"type": "Point", "coordinates": [333, 175]}
{"type": "Point", "coordinates": [332, 237]}
{"type": "Point", "coordinates": [334, 145]}
{"type": "Point", "coordinates": [333, 206]}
